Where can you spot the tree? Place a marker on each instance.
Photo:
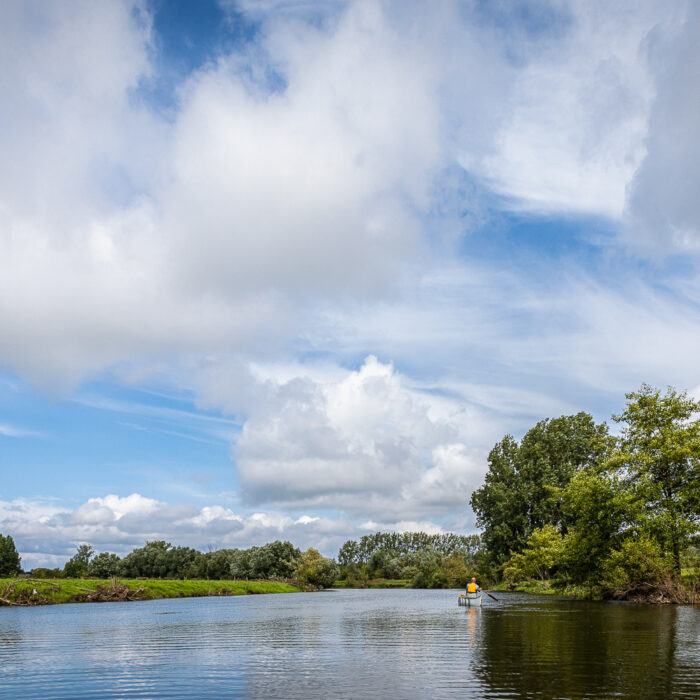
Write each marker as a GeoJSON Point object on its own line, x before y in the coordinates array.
{"type": "Point", "coordinates": [658, 457]}
{"type": "Point", "coordinates": [316, 570]}
{"type": "Point", "coordinates": [104, 565]}
{"type": "Point", "coordinates": [523, 486]}
{"type": "Point", "coordinates": [9, 558]}
{"type": "Point", "coordinates": [158, 559]}
{"type": "Point", "coordinates": [603, 514]}
{"type": "Point", "coordinates": [541, 553]}
{"type": "Point", "coordinates": [77, 565]}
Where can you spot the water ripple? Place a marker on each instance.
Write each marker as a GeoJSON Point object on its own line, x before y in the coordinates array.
{"type": "Point", "coordinates": [400, 644]}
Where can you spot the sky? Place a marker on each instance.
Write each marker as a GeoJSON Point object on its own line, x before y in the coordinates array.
{"type": "Point", "coordinates": [288, 269]}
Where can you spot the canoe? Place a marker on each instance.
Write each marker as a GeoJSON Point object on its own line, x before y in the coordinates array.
{"type": "Point", "coordinates": [470, 600]}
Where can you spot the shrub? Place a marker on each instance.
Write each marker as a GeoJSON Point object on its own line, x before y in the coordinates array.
{"type": "Point", "coordinates": [316, 570]}
{"type": "Point", "coordinates": [637, 565]}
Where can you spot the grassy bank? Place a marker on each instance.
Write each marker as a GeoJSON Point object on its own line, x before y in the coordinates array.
{"type": "Point", "coordinates": [20, 591]}
{"type": "Point", "coordinates": [527, 587]}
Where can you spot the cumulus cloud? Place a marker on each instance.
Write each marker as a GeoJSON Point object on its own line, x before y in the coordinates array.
{"type": "Point", "coordinates": [366, 442]}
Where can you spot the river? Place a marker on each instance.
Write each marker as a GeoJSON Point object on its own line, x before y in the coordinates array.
{"type": "Point", "coordinates": [351, 644]}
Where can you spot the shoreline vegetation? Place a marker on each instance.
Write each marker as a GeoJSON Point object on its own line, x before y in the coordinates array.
{"type": "Point", "coordinates": [26, 592]}
{"type": "Point", "coordinates": [575, 509]}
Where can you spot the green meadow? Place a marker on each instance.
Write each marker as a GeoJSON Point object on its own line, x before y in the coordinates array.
{"type": "Point", "coordinates": [21, 591]}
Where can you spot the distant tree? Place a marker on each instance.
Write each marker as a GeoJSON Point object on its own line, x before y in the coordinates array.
{"type": "Point", "coordinates": [42, 572]}
{"type": "Point", "coordinates": [158, 559]}
{"type": "Point", "coordinates": [104, 565]}
{"type": "Point", "coordinates": [274, 560]}
{"type": "Point", "coordinates": [213, 565]}
{"type": "Point", "coordinates": [316, 570]}
{"type": "Point", "coordinates": [77, 565]}
{"type": "Point", "coordinates": [9, 557]}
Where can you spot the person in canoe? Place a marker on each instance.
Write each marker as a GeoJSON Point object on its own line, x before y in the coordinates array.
{"type": "Point", "coordinates": [473, 586]}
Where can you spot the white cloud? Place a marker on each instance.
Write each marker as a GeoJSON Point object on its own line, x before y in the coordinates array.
{"type": "Point", "coordinates": [576, 120]}
{"type": "Point", "coordinates": [365, 443]}
{"type": "Point", "coordinates": [663, 207]}
{"type": "Point", "coordinates": [46, 534]}
{"type": "Point", "coordinates": [14, 431]}
{"type": "Point", "coordinates": [128, 239]}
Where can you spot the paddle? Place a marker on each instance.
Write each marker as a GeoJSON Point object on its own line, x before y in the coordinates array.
{"type": "Point", "coordinates": [491, 596]}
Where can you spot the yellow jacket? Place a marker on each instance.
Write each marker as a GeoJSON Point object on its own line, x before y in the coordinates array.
{"type": "Point", "coordinates": [471, 588]}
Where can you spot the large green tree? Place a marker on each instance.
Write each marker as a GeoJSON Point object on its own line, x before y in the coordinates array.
{"type": "Point", "coordinates": [523, 486]}
{"type": "Point", "coordinates": [9, 558]}
{"type": "Point", "coordinates": [657, 456]}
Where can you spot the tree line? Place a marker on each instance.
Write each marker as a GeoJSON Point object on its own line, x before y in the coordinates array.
{"type": "Point", "coordinates": [574, 506]}
{"type": "Point", "coordinates": [159, 559]}
{"type": "Point", "coordinates": [416, 558]}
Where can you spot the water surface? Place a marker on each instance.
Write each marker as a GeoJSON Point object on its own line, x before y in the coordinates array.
{"type": "Point", "coordinates": [354, 643]}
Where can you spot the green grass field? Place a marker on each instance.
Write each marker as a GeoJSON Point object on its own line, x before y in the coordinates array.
{"type": "Point", "coordinates": [49, 591]}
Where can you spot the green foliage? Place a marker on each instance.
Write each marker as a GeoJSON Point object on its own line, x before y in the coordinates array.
{"type": "Point", "coordinates": [42, 572]}
{"type": "Point", "coordinates": [9, 557]}
{"type": "Point", "coordinates": [274, 560]}
{"type": "Point", "coordinates": [658, 456]}
{"type": "Point", "coordinates": [75, 569]}
{"type": "Point", "coordinates": [542, 552]}
{"type": "Point", "coordinates": [158, 559]}
{"type": "Point", "coordinates": [637, 563]}
{"type": "Point", "coordinates": [104, 565]}
{"type": "Point", "coordinates": [405, 544]}
{"type": "Point", "coordinates": [603, 513]}
{"type": "Point", "coordinates": [77, 565]}
{"type": "Point", "coordinates": [427, 561]}
{"type": "Point", "coordinates": [456, 573]}
{"type": "Point", "coordinates": [611, 515]}
{"type": "Point", "coordinates": [523, 487]}
{"type": "Point", "coordinates": [316, 570]}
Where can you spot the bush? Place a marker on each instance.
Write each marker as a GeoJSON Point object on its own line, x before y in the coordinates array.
{"type": "Point", "coordinates": [104, 565]}
{"type": "Point", "coordinates": [75, 569]}
{"type": "Point", "coordinates": [42, 572]}
{"type": "Point", "coordinates": [420, 580]}
{"type": "Point", "coordinates": [316, 570]}
{"type": "Point", "coordinates": [638, 564]}
{"type": "Point", "coordinates": [438, 580]}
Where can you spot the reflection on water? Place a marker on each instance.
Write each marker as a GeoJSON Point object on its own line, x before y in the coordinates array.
{"type": "Point", "coordinates": [392, 643]}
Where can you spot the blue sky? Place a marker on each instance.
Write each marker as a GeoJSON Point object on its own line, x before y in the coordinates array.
{"type": "Point", "coordinates": [288, 269]}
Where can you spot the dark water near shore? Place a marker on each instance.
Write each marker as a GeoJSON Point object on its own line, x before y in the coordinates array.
{"type": "Point", "coordinates": [393, 643]}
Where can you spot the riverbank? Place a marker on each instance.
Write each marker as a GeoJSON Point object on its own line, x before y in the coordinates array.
{"type": "Point", "coordinates": [375, 583]}
{"type": "Point", "coordinates": [670, 591]}
{"type": "Point", "coordinates": [29, 592]}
